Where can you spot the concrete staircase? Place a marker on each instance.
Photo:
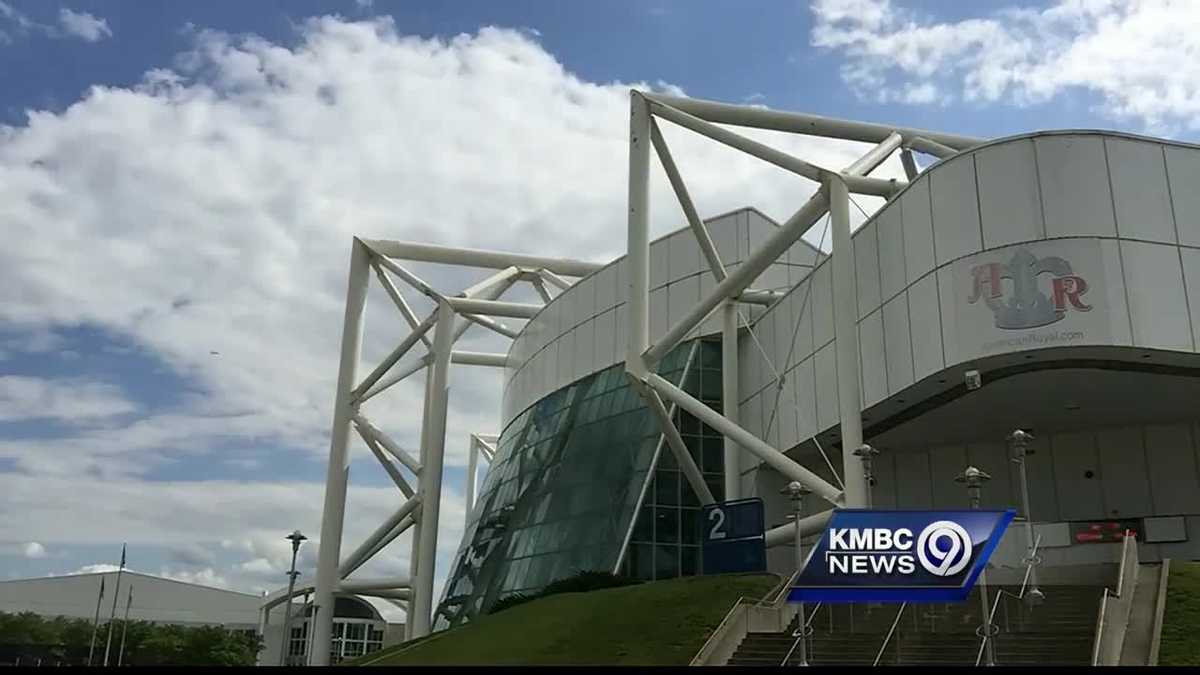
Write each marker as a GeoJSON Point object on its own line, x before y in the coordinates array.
{"type": "Point", "coordinates": [1059, 632]}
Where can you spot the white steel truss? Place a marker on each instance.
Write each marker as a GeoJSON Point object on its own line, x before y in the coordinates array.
{"type": "Point", "coordinates": [832, 197]}
{"type": "Point", "coordinates": [418, 476]}
{"type": "Point", "coordinates": [480, 304]}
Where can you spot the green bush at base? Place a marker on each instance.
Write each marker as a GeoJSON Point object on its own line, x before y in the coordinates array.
{"type": "Point", "coordinates": [577, 583]}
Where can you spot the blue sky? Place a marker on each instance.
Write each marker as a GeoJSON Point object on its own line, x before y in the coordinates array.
{"type": "Point", "coordinates": [179, 179]}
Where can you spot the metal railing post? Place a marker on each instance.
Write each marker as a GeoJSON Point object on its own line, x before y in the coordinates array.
{"type": "Point", "coordinates": [1019, 440]}
{"type": "Point", "coordinates": [866, 453]}
{"type": "Point", "coordinates": [796, 491]}
{"type": "Point", "coordinates": [974, 479]}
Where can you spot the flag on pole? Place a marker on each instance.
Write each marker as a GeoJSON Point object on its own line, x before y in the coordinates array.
{"type": "Point", "coordinates": [125, 626]}
{"type": "Point", "coordinates": [113, 614]}
{"type": "Point", "coordinates": [96, 621]}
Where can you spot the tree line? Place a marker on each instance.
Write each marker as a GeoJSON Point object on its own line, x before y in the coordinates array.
{"type": "Point", "coordinates": [32, 638]}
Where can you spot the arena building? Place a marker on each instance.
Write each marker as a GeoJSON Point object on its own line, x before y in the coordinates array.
{"type": "Point", "coordinates": [1048, 282]}
{"type": "Point", "coordinates": [359, 627]}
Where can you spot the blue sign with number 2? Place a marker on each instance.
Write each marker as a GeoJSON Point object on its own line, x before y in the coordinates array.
{"type": "Point", "coordinates": [733, 537]}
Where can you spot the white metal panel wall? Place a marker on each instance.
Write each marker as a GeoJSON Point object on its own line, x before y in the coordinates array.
{"type": "Point", "coordinates": [1076, 470]}
{"type": "Point", "coordinates": [945, 464]}
{"type": "Point", "coordinates": [866, 263]}
{"type": "Point", "coordinates": [584, 328]}
{"type": "Point", "coordinates": [1141, 196]}
{"type": "Point", "coordinates": [1183, 168]}
{"type": "Point", "coordinates": [873, 368]}
{"type": "Point", "coordinates": [1174, 486]}
{"type": "Point", "coordinates": [897, 344]}
{"type": "Point", "coordinates": [1001, 195]}
{"type": "Point", "coordinates": [955, 209]}
{"type": "Point", "coordinates": [1123, 472]}
{"type": "Point", "coordinates": [1158, 304]}
{"type": "Point", "coordinates": [1075, 188]}
{"type": "Point", "coordinates": [912, 480]}
{"type": "Point", "coordinates": [925, 323]}
{"type": "Point", "coordinates": [918, 229]}
{"type": "Point", "coordinates": [1010, 202]}
{"type": "Point", "coordinates": [1136, 471]}
{"type": "Point", "coordinates": [890, 235]}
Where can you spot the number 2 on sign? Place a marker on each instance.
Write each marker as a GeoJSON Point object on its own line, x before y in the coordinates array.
{"type": "Point", "coordinates": [718, 516]}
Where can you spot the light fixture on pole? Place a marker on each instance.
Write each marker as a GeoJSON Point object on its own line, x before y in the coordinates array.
{"type": "Point", "coordinates": [974, 479]}
{"type": "Point", "coordinates": [295, 537]}
{"type": "Point", "coordinates": [795, 491]}
{"type": "Point", "coordinates": [865, 453]}
{"type": "Point", "coordinates": [1019, 440]}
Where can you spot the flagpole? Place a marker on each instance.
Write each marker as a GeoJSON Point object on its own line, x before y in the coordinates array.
{"type": "Point", "coordinates": [125, 626]}
{"type": "Point", "coordinates": [113, 614]}
{"type": "Point", "coordinates": [96, 621]}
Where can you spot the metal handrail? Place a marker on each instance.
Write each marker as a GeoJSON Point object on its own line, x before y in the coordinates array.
{"type": "Point", "coordinates": [780, 595]}
{"type": "Point", "coordinates": [1100, 620]}
{"type": "Point", "coordinates": [813, 616]}
{"type": "Point", "coordinates": [891, 631]}
{"type": "Point", "coordinates": [743, 601]}
{"type": "Point", "coordinates": [800, 633]}
{"type": "Point", "coordinates": [1099, 628]}
{"type": "Point", "coordinates": [1037, 542]}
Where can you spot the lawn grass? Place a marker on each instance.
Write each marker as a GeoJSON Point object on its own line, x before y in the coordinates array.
{"type": "Point", "coordinates": [660, 623]}
{"type": "Point", "coordinates": [1180, 644]}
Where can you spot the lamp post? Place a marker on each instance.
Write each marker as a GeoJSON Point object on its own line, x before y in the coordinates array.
{"type": "Point", "coordinates": [795, 491]}
{"type": "Point", "coordinates": [295, 537]}
{"type": "Point", "coordinates": [974, 479]}
{"type": "Point", "coordinates": [865, 453]}
{"type": "Point", "coordinates": [1019, 440]}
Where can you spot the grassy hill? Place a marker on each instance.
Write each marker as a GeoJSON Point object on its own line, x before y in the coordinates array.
{"type": "Point", "coordinates": [661, 623]}
{"type": "Point", "coordinates": [1180, 645]}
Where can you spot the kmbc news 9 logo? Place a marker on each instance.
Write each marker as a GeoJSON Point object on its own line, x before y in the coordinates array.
{"type": "Point", "coordinates": [900, 556]}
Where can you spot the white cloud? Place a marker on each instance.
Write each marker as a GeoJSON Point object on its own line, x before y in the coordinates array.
{"type": "Point", "coordinates": [204, 577]}
{"type": "Point", "coordinates": [84, 25]}
{"type": "Point", "coordinates": [194, 519]}
{"type": "Point", "coordinates": [222, 197]}
{"type": "Point", "coordinates": [72, 399]}
{"type": "Point", "coordinates": [191, 554]}
{"type": "Point", "coordinates": [71, 24]}
{"type": "Point", "coordinates": [96, 568]}
{"type": "Point", "coordinates": [28, 549]}
{"type": "Point", "coordinates": [1139, 58]}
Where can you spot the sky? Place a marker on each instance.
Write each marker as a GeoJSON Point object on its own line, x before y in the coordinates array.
{"type": "Point", "coordinates": [180, 182]}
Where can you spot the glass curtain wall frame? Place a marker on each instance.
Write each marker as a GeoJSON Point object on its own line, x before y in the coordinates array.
{"type": "Point", "coordinates": [665, 540]}
{"type": "Point", "coordinates": [564, 486]}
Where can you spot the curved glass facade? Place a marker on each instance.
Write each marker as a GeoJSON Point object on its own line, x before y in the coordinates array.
{"type": "Point", "coordinates": [566, 481]}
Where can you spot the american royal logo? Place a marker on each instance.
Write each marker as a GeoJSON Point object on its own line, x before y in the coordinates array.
{"type": "Point", "coordinates": [1021, 304]}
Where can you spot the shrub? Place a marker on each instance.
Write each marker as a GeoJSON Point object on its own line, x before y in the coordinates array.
{"type": "Point", "coordinates": [580, 582]}
{"type": "Point", "coordinates": [510, 601]}
{"type": "Point", "coordinates": [587, 580]}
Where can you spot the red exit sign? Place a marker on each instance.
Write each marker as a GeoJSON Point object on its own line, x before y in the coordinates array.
{"type": "Point", "coordinates": [1105, 531]}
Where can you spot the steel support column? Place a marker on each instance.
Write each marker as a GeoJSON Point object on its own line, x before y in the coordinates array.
{"type": "Point", "coordinates": [638, 256]}
{"type": "Point", "coordinates": [430, 487]}
{"type": "Point", "coordinates": [337, 474]}
{"type": "Point", "coordinates": [845, 331]}
{"type": "Point", "coordinates": [472, 475]}
{"type": "Point", "coordinates": [729, 397]}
